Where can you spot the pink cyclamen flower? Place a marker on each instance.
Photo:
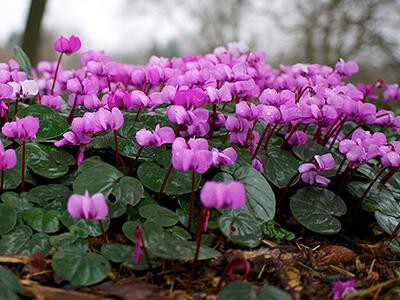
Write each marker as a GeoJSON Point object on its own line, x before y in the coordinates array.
{"type": "Point", "coordinates": [6, 91]}
{"type": "Point", "coordinates": [8, 158]}
{"type": "Point", "coordinates": [109, 120]}
{"type": "Point", "coordinates": [160, 136]}
{"type": "Point", "coordinates": [223, 195]}
{"type": "Point", "coordinates": [54, 102]}
{"type": "Point", "coordinates": [256, 164]}
{"type": "Point", "coordinates": [346, 68]}
{"type": "Point", "coordinates": [24, 88]}
{"type": "Point", "coordinates": [87, 207]}
{"type": "Point", "coordinates": [138, 243]}
{"type": "Point", "coordinates": [309, 172]}
{"type": "Point", "coordinates": [67, 45]}
{"type": "Point", "coordinates": [191, 155]}
{"type": "Point", "coordinates": [226, 157]}
{"type": "Point", "coordinates": [22, 129]}
{"type": "Point", "coordinates": [343, 288]}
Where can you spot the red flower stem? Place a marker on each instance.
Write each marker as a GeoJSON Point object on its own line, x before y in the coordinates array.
{"type": "Point", "coordinates": [340, 166]}
{"type": "Point", "coordinates": [269, 136]}
{"type": "Point", "coordinates": [55, 73]}
{"type": "Point", "coordinates": [192, 200]}
{"type": "Point", "coordinates": [394, 233]}
{"type": "Point", "coordinates": [23, 166]}
{"type": "Point", "coordinates": [224, 105]}
{"type": "Point", "coordinates": [146, 254]}
{"type": "Point", "coordinates": [199, 235]}
{"type": "Point", "coordinates": [388, 175]}
{"type": "Point", "coordinates": [214, 120]}
{"type": "Point", "coordinates": [109, 83]}
{"type": "Point", "coordinates": [337, 133]}
{"type": "Point", "coordinates": [267, 128]}
{"type": "Point", "coordinates": [317, 133]}
{"type": "Point", "coordinates": [347, 174]}
{"type": "Point", "coordinates": [103, 232]}
{"type": "Point", "coordinates": [138, 154]}
{"type": "Point", "coordinates": [331, 129]}
{"type": "Point", "coordinates": [2, 181]}
{"type": "Point", "coordinates": [71, 113]}
{"type": "Point", "coordinates": [137, 117]}
{"type": "Point", "coordinates": [359, 202]}
{"type": "Point", "coordinates": [286, 141]}
{"type": "Point", "coordinates": [16, 108]}
{"type": "Point", "coordinates": [117, 161]}
{"type": "Point", "coordinates": [246, 143]}
{"type": "Point", "coordinates": [165, 181]}
{"type": "Point", "coordinates": [225, 137]}
{"type": "Point", "coordinates": [284, 193]}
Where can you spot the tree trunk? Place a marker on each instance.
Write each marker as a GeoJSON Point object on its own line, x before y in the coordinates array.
{"type": "Point", "coordinates": [31, 39]}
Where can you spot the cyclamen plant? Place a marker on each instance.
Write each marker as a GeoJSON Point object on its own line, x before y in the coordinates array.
{"type": "Point", "coordinates": [224, 126]}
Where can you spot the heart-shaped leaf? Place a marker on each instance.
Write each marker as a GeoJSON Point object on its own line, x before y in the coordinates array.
{"type": "Point", "coordinates": [97, 178]}
{"type": "Point", "coordinates": [379, 198]}
{"type": "Point", "coordinates": [81, 268]}
{"type": "Point", "coordinates": [18, 202]}
{"type": "Point", "coordinates": [244, 290]}
{"type": "Point", "coordinates": [181, 250]}
{"type": "Point", "coordinates": [240, 228]}
{"type": "Point", "coordinates": [48, 161]}
{"type": "Point", "coordinates": [280, 166]}
{"type": "Point", "coordinates": [42, 194]}
{"type": "Point", "coordinates": [8, 218]}
{"type": "Point", "coordinates": [52, 124]}
{"type": "Point", "coordinates": [316, 208]}
{"type": "Point", "coordinates": [128, 190]}
{"type": "Point", "coordinates": [12, 178]}
{"type": "Point", "coordinates": [158, 214]}
{"type": "Point", "coordinates": [389, 224]}
{"type": "Point", "coordinates": [9, 284]}
{"type": "Point", "coordinates": [23, 61]}
{"type": "Point", "coordinates": [83, 228]}
{"type": "Point", "coordinates": [152, 176]}
{"type": "Point", "coordinates": [69, 242]}
{"type": "Point", "coordinates": [42, 220]}
{"type": "Point", "coordinates": [38, 243]}
{"type": "Point", "coordinates": [309, 150]}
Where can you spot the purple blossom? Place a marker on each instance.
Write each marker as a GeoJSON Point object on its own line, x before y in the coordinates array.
{"type": "Point", "coordinates": [67, 45]}
{"type": "Point", "coordinates": [109, 119]}
{"type": "Point", "coordinates": [8, 158]}
{"type": "Point", "coordinates": [191, 155]}
{"type": "Point", "coordinates": [256, 164]}
{"type": "Point", "coordinates": [21, 129]}
{"type": "Point", "coordinates": [343, 288]}
{"type": "Point", "coordinates": [223, 195]}
{"type": "Point", "coordinates": [160, 136]}
{"type": "Point", "coordinates": [55, 102]}
{"type": "Point", "coordinates": [87, 207]}
{"type": "Point", "coordinates": [221, 158]}
{"type": "Point", "coordinates": [346, 68]}
{"type": "Point", "coordinates": [309, 172]}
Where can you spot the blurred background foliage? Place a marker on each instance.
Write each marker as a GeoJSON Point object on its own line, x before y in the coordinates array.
{"type": "Point", "coordinates": [289, 31]}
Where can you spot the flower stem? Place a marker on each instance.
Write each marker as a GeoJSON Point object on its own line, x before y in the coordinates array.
{"type": "Point", "coordinates": [2, 181]}
{"type": "Point", "coordinates": [16, 108]}
{"type": "Point", "coordinates": [358, 204]}
{"type": "Point", "coordinates": [146, 254]}
{"type": "Point", "coordinates": [269, 136]}
{"type": "Point", "coordinates": [394, 233]}
{"type": "Point", "coordinates": [55, 73]}
{"type": "Point", "coordinates": [165, 181]}
{"type": "Point", "coordinates": [338, 128]}
{"type": "Point", "coordinates": [214, 120]}
{"type": "Point", "coordinates": [267, 128]}
{"type": "Point", "coordinates": [71, 113]}
{"type": "Point", "coordinates": [103, 232]}
{"type": "Point", "coordinates": [137, 117]}
{"type": "Point", "coordinates": [23, 166]}
{"type": "Point", "coordinates": [286, 141]}
{"type": "Point", "coordinates": [388, 175]}
{"type": "Point", "coordinates": [138, 153]}
{"type": "Point", "coordinates": [192, 200]}
{"type": "Point", "coordinates": [117, 161]}
{"type": "Point", "coordinates": [199, 235]}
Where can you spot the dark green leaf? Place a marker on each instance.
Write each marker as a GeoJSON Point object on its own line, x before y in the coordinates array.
{"type": "Point", "coordinates": [158, 214]}
{"type": "Point", "coordinates": [42, 194]}
{"type": "Point", "coordinates": [240, 228]}
{"type": "Point", "coordinates": [9, 285]}
{"type": "Point", "coordinates": [48, 161]}
{"type": "Point", "coordinates": [52, 124]}
{"type": "Point", "coordinates": [42, 220]}
{"type": "Point", "coordinates": [238, 291]}
{"type": "Point", "coordinates": [18, 202]}
{"type": "Point", "coordinates": [181, 250]}
{"type": "Point", "coordinates": [23, 61]}
{"type": "Point", "coordinates": [69, 242]}
{"type": "Point", "coordinates": [389, 224]}
{"type": "Point", "coordinates": [81, 268]}
{"type": "Point", "coordinates": [152, 176]}
{"type": "Point", "coordinates": [8, 218]}
{"type": "Point", "coordinates": [39, 242]}
{"type": "Point", "coordinates": [316, 208]}
{"type": "Point", "coordinates": [128, 190]}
